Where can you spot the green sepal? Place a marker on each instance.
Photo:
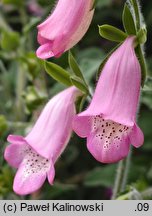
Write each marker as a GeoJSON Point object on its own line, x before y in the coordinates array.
{"type": "Point", "coordinates": [112, 33]}
{"type": "Point", "coordinates": [142, 36]}
{"type": "Point", "coordinates": [128, 21]}
{"type": "Point", "coordinates": [77, 82]}
{"type": "Point", "coordinates": [74, 66]}
{"type": "Point", "coordinates": [142, 61]}
{"type": "Point", "coordinates": [57, 73]}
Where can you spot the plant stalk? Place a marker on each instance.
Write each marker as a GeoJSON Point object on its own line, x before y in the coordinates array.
{"type": "Point", "coordinates": [118, 179]}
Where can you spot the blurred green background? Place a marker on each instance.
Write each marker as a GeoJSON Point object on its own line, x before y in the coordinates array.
{"type": "Point", "coordinates": [25, 88]}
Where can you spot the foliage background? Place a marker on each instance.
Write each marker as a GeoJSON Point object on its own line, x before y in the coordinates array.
{"type": "Point", "coordinates": [25, 88]}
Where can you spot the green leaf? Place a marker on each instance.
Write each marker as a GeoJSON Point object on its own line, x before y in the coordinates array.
{"type": "Point", "coordinates": [57, 73]}
{"type": "Point", "coordinates": [76, 81]}
{"type": "Point", "coordinates": [33, 98]}
{"type": "Point", "coordinates": [112, 33]}
{"type": "Point", "coordinates": [105, 60]}
{"type": "Point", "coordinates": [128, 21]}
{"type": "Point", "coordinates": [14, 2]}
{"type": "Point", "coordinates": [10, 40]}
{"type": "Point", "coordinates": [3, 124]}
{"type": "Point", "coordinates": [74, 66]}
{"type": "Point", "coordinates": [101, 176]}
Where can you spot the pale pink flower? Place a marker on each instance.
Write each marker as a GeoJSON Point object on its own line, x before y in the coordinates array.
{"type": "Point", "coordinates": [36, 154]}
{"type": "Point", "coordinates": [109, 123]}
{"type": "Point", "coordinates": [64, 27]}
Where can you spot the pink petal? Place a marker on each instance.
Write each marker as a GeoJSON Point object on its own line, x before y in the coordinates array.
{"type": "Point", "coordinates": [15, 153]}
{"type": "Point", "coordinates": [53, 129]}
{"type": "Point", "coordinates": [82, 126]}
{"type": "Point", "coordinates": [51, 174]}
{"type": "Point", "coordinates": [115, 152]}
{"type": "Point", "coordinates": [108, 141]}
{"type": "Point", "coordinates": [42, 40]}
{"type": "Point", "coordinates": [136, 137]}
{"type": "Point", "coordinates": [31, 174]}
{"type": "Point", "coordinates": [15, 139]}
{"type": "Point", "coordinates": [24, 185]}
{"type": "Point", "coordinates": [44, 51]}
{"type": "Point", "coordinates": [117, 93]}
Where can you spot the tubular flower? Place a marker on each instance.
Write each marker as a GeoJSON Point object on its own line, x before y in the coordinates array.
{"type": "Point", "coordinates": [64, 28]}
{"type": "Point", "coordinates": [109, 123]}
{"type": "Point", "coordinates": [36, 154]}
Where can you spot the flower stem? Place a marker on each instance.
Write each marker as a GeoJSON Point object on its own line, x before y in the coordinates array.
{"type": "Point", "coordinates": [147, 193]}
{"type": "Point", "coordinates": [122, 175]}
{"type": "Point", "coordinates": [135, 4]}
{"type": "Point", "coordinates": [118, 179]}
{"type": "Point", "coordinates": [139, 50]}
{"type": "Point", "coordinates": [126, 171]}
{"type": "Point", "coordinates": [21, 81]}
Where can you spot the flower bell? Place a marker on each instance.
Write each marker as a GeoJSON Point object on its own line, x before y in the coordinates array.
{"type": "Point", "coordinates": [64, 28]}
{"type": "Point", "coordinates": [35, 155]}
{"type": "Point", "coordinates": [109, 123]}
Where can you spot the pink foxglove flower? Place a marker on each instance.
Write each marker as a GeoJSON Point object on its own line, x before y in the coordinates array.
{"type": "Point", "coordinates": [64, 27]}
{"type": "Point", "coordinates": [36, 154]}
{"type": "Point", "coordinates": [109, 123]}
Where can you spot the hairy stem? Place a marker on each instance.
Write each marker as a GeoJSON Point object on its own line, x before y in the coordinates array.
{"type": "Point", "coordinates": [135, 4]}
{"type": "Point", "coordinates": [126, 171]}
{"type": "Point", "coordinates": [118, 179]}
